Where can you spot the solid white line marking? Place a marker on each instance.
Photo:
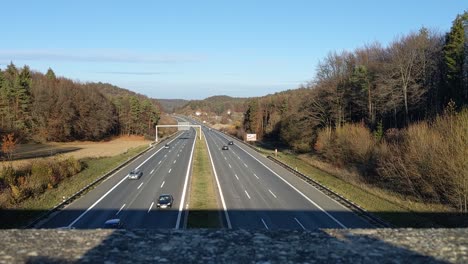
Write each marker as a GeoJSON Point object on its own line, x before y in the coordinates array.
{"type": "Point", "coordinates": [256, 176]}
{"type": "Point", "coordinates": [151, 206]}
{"type": "Point", "coordinates": [170, 170]}
{"type": "Point", "coordinates": [272, 193]}
{"type": "Point", "coordinates": [219, 188]}
{"type": "Point", "coordinates": [120, 209]}
{"type": "Point", "coordinates": [174, 161]}
{"type": "Point", "coordinates": [152, 171]}
{"type": "Point", "coordinates": [182, 198]}
{"type": "Point", "coordinates": [139, 186]}
{"type": "Point", "coordinates": [264, 224]}
{"type": "Point", "coordinates": [230, 166]}
{"type": "Point", "coordinates": [163, 184]}
{"type": "Point", "coordinates": [236, 176]}
{"type": "Point", "coordinates": [290, 185]}
{"type": "Point", "coordinates": [299, 223]}
{"type": "Point", "coordinates": [247, 194]}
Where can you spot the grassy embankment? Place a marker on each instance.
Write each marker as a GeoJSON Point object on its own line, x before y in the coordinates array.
{"type": "Point", "coordinates": [30, 209]}
{"type": "Point", "coordinates": [384, 204]}
{"type": "Point", "coordinates": [203, 208]}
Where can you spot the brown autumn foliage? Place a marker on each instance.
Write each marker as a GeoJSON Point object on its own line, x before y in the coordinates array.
{"type": "Point", "coordinates": [380, 110]}
{"type": "Point", "coordinates": [9, 144]}
{"type": "Point", "coordinates": [34, 178]}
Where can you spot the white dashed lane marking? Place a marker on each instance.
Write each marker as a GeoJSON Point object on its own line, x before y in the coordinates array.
{"type": "Point", "coordinates": [163, 183]}
{"type": "Point", "coordinates": [120, 209]}
{"type": "Point", "coordinates": [264, 223]}
{"type": "Point", "coordinates": [247, 194]}
{"type": "Point", "coordinates": [139, 186]}
{"type": "Point", "coordinates": [170, 170]}
{"type": "Point", "coordinates": [151, 206]}
{"type": "Point", "coordinates": [299, 223]}
{"type": "Point", "coordinates": [272, 193]}
{"type": "Point", "coordinates": [236, 176]}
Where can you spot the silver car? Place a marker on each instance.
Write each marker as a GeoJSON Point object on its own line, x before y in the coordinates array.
{"type": "Point", "coordinates": [135, 174]}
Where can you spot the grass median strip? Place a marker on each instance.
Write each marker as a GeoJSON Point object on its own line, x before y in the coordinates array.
{"type": "Point", "coordinates": [203, 209]}
{"type": "Point", "coordinates": [32, 208]}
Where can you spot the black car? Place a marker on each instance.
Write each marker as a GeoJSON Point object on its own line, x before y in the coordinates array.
{"type": "Point", "coordinates": [231, 143]}
{"type": "Point", "coordinates": [135, 174]}
{"type": "Point", "coordinates": [225, 148]}
{"type": "Point", "coordinates": [165, 201]}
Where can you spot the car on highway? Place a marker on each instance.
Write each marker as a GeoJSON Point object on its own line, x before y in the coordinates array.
{"type": "Point", "coordinates": [114, 224]}
{"type": "Point", "coordinates": [231, 143]}
{"type": "Point", "coordinates": [166, 146]}
{"type": "Point", "coordinates": [165, 201]}
{"type": "Point", "coordinates": [225, 147]}
{"type": "Point", "coordinates": [135, 174]}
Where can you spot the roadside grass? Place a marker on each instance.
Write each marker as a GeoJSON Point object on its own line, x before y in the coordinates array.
{"type": "Point", "coordinates": [30, 209]}
{"type": "Point", "coordinates": [203, 208]}
{"type": "Point", "coordinates": [388, 206]}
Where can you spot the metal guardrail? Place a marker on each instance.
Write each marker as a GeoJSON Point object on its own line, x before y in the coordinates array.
{"type": "Point", "coordinates": [372, 219]}
{"type": "Point", "coordinates": [87, 187]}
{"type": "Point", "coordinates": [376, 221]}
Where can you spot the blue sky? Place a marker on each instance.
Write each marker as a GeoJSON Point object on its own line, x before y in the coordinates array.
{"type": "Point", "coordinates": [196, 49]}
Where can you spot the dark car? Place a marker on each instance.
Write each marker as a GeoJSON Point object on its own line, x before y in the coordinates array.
{"type": "Point", "coordinates": [225, 148]}
{"type": "Point", "coordinates": [231, 143]}
{"type": "Point", "coordinates": [165, 201]}
{"type": "Point", "coordinates": [166, 146]}
{"type": "Point", "coordinates": [135, 174]}
{"type": "Point", "coordinates": [114, 224]}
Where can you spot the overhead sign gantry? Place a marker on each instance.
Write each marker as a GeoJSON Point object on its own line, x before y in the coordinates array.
{"type": "Point", "coordinates": [180, 126]}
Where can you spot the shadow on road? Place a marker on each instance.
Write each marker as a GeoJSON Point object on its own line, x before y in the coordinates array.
{"type": "Point", "coordinates": [279, 234]}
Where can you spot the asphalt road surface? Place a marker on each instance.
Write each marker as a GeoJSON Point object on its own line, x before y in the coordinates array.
{"type": "Point", "coordinates": [259, 194]}
{"type": "Point", "coordinates": [165, 171]}
{"type": "Point", "coordinates": [254, 192]}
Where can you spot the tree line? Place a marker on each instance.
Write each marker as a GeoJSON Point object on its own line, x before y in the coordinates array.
{"type": "Point", "coordinates": [411, 79]}
{"type": "Point", "coordinates": [43, 107]}
{"type": "Point", "coordinates": [397, 115]}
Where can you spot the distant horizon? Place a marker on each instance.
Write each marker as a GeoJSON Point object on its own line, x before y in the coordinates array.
{"type": "Point", "coordinates": [200, 49]}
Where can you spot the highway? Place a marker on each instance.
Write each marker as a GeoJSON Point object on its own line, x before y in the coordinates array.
{"type": "Point", "coordinates": [259, 194]}
{"type": "Point", "coordinates": [255, 193]}
{"type": "Point", "coordinates": [165, 171]}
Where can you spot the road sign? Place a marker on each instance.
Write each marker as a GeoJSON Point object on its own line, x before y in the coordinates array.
{"type": "Point", "coordinates": [251, 137]}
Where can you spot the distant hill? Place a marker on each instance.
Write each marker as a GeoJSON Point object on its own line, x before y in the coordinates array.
{"type": "Point", "coordinates": [215, 104]}
{"type": "Point", "coordinates": [112, 92]}
{"type": "Point", "coordinates": [170, 105]}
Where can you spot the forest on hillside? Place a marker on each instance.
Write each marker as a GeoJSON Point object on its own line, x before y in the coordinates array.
{"type": "Point", "coordinates": [393, 113]}
{"type": "Point", "coordinates": [217, 105]}
{"type": "Point", "coordinates": [43, 107]}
